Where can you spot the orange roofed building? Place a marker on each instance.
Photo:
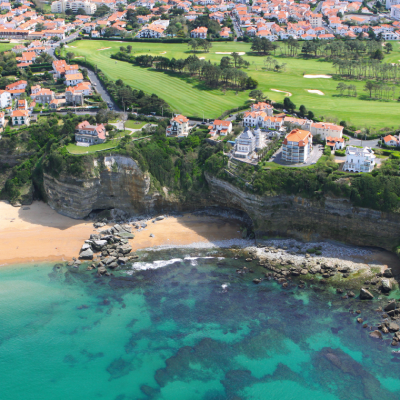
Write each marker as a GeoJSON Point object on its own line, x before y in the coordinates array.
{"type": "Point", "coordinates": [179, 126]}
{"type": "Point", "coordinates": [297, 146]}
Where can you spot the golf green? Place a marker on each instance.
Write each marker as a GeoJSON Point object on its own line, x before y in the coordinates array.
{"type": "Point", "coordinates": [187, 96]}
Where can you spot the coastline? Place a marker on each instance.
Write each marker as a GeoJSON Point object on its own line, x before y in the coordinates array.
{"type": "Point", "coordinates": [36, 233]}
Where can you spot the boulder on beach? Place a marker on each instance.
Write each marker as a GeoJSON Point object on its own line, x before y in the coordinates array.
{"type": "Point", "coordinates": [390, 307]}
{"type": "Point", "coordinates": [101, 270]}
{"type": "Point", "coordinates": [99, 244]}
{"type": "Point", "coordinates": [109, 260]}
{"type": "Point", "coordinates": [85, 246]}
{"type": "Point", "coordinates": [125, 249]}
{"type": "Point", "coordinates": [86, 254]}
{"type": "Point", "coordinates": [387, 273]}
{"type": "Point", "coordinates": [125, 235]}
{"type": "Point", "coordinates": [365, 294]}
{"type": "Point", "coordinates": [386, 285]}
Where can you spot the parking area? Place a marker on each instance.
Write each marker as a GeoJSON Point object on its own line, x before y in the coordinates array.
{"type": "Point", "coordinates": [315, 155]}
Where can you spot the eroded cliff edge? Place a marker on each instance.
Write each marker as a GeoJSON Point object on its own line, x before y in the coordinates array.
{"type": "Point", "coordinates": [119, 183]}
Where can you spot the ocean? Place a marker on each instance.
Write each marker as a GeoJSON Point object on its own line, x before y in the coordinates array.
{"type": "Point", "coordinates": [184, 324]}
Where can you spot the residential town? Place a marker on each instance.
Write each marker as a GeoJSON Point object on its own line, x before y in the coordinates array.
{"type": "Point", "coordinates": [273, 20]}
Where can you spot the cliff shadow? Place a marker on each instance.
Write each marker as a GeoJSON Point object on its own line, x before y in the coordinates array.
{"type": "Point", "coordinates": [41, 214]}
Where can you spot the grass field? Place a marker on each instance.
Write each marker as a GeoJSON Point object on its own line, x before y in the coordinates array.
{"type": "Point", "coordinates": [74, 149]}
{"type": "Point", "coordinates": [7, 46]}
{"type": "Point", "coordinates": [188, 97]}
{"type": "Point", "coordinates": [135, 124]}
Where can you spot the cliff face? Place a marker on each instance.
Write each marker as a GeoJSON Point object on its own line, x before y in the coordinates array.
{"type": "Point", "coordinates": [121, 184]}
{"type": "Point", "coordinates": [293, 216]}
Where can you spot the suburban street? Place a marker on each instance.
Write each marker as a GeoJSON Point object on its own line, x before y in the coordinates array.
{"type": "Point", "coordinates": [99, 87]}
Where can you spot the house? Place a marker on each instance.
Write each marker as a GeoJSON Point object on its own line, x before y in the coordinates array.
{"type": "Point", "coordinates": [261, 106]}
{"type": "Point", "coordinates": [19, 85]}
{"type": "Point", "coordinates": [20, 117]}
{"type": "Point", "coordinates": [220, 127]}
{"type": "Point", "coordinates": [55, 103]}
{"type": "Point", "coordinates": [359, 160]}
{"type": "Point", "coordinates": [73, 79]}
{"type": "Point", "coordinates": [395, 11]}
{"type": "Point", "coordinates": [297, 146]}
{"type": "Point", "coordinates": [35, 89]}
{"type": "Point", "coordinates": [335, 143]}
{"type": "Point", "coordinates": [245, 144]}
{"type": "Point", "coordinates": [21, 105]}
{"type": "Point", "coordinates": [151, 31]}
{"type": "Point", "coordinates": [59, 67]}
{"type": "Point", "coordinates": [87, 135]}
{"type": "Point", "coordinates": [43, 96]}
{"type": "Point", "coordinates": [325, 129]}
{"type": "Point", "coordinates": [390, 140]}
{"type": "Point", "coordinates": [2, 120]}
{"type": "Point", "coordinates": [199, 33]}
{"type": "Point", "coordinates": [179, 126]}
{"type": "Point", "coordinates": [5, 99]}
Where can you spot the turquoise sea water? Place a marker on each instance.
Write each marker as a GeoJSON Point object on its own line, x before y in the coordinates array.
{"type": "Point", "coordinates": [174, 333]}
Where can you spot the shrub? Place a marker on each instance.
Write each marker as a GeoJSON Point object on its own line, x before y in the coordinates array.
{"type": "Point", "coordinates": [340, 153]}
{"type": "Point", "coordinates": [311, 251]}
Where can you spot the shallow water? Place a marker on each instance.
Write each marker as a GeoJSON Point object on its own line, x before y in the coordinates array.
{"type": "Point", "coordinates": [168, 330]}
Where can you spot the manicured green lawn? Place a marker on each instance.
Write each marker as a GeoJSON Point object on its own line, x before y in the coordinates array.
{"type": "Point", "coordinates": [7, 46]}
{"type": "Point", "coordinates": [190, 98]}
{"type": "Point", "coordinates": [74, 149]}
{"type": "Point", "coordinates": [135, 124]}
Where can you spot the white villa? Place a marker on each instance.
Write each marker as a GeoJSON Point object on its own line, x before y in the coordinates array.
{"type": "Point", "coordinates": [179, 126]}
{"type": "Point", "coordinates": [359, 160]}
{"type": "Point", "coordinates": [245, 144]}
{"type": "Point", "coordinates": [391, 140]}
{"type": "Point", "coordinates": [297, 146]}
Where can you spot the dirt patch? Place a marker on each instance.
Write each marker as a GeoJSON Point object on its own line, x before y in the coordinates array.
{"type": "Point", "coordinates": [282, 91]}
{"type": "Point", "coordinates": [317, 76]}
{"type": "Point", "coordinates": [316, 92]}
{"type": "Point", "coordinates": [104, 48]}
{"type": "Point", "coordinates": [241, 53]}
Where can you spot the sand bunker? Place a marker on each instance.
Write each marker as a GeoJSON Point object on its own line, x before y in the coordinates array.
{"type": "Point", "coordinates": [79, 57]}
{"type": "Point", "coordinates": [316, 92]}
{"type": "Point", "coordinates": [202, 58]}
{"type": "Point", "coordinates": [104, 48]}
{"type": "Point", "coordinates": [317, 76]}
{"type": "Point", "coordinates": [163, 52]}
{"type": "Point", "coordinates": [282, 91]}
{"type": "Point", "coordinates": [241, 53]}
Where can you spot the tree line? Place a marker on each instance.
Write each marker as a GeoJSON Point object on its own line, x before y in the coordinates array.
{"type": "Point", "coordinates": [226, 74]}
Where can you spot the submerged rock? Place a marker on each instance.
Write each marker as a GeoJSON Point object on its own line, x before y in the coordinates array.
{"type": "Point", "coordinates": [376, 335]}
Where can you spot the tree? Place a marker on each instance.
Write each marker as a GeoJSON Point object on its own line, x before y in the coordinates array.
{"type": "Point", "coordinates": [129, 48]}
{"type": "Point", "coordinates": [369, 87]}
{"type": "Point", "coordinates": [256, 94]}
{"type": "Point", "coordinates": [39, 27]}
{"type": "Point", "coordinates": [303, 110]}
{"type": "Point", "coordinates": [288, 104]}
{"type": "Point", "coordinates": [378, 55]}
{"type": "Point", "coordinates": [193, 43]}
{"type": "Point", "coordinates": [310, 115]}
{"type": "Point", "coordinates": [341, 87]}
{"type": "Point", "coordinates": [70, 56]}
{"type": "Point", "coordinates": [388, 47]}
{"type": "Point", "coordinates": [251, 83]}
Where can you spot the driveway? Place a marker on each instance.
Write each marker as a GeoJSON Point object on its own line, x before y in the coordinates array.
{"type": "Point", "coordinates": [315, 155]}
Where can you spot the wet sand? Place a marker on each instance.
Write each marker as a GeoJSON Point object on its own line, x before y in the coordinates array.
{"type": "Point", "coordinates": [37, 233]}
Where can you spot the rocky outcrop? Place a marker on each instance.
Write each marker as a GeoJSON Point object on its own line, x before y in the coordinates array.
{"type": "Point", "coordinates": [121, 184]}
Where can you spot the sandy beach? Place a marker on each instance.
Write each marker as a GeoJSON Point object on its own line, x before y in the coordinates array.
{"type": "Point", "coordinates": [37, 233]}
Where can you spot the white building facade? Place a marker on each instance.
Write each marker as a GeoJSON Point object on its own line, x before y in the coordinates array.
{"type": "Point", "coordinates": [359, 160]}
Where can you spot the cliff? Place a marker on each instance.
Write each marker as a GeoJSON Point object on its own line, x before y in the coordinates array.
{"type": "Point", "coordinates": [330, 218]}
{"type": "Point", "coordinates": [121, 184]}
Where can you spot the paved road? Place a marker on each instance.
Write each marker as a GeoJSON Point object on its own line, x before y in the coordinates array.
{"type": "Point", "coordinates": [102, 90]}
